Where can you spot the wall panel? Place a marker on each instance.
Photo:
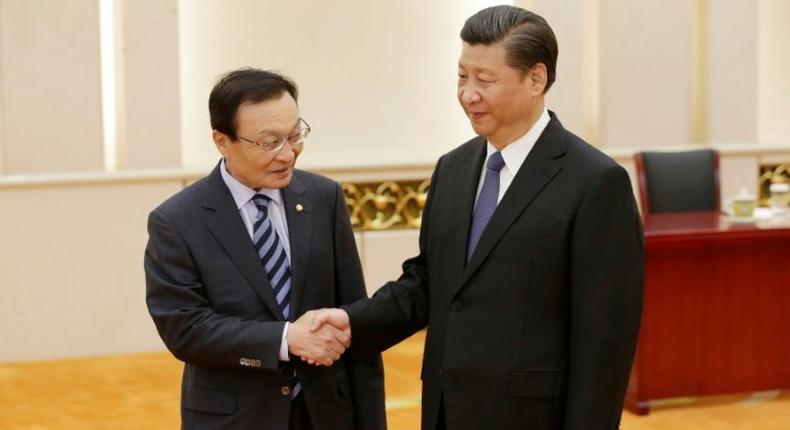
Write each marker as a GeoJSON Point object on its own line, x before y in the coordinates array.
{"type": "Point", "coordinates": [51, 86]}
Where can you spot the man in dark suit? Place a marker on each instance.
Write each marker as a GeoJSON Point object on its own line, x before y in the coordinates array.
{"type": "Point", "coordinates": [529, 275]}
{"type": "Point", "coordinates": [235, 258]}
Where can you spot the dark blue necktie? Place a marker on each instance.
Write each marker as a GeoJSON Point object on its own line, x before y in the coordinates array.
{"type": "Point", "coordinates": [486, 201]}
{"type": "Point", "coordinates": [274, 259]}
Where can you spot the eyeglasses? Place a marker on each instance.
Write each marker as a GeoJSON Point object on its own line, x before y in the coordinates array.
{"type": "Point", "coordinates": [273, 144]}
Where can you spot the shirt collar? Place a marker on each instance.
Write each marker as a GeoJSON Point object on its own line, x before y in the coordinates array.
{"type": "Point", "coordinates": [242, 193]}
{"type": "Point", "coordinates": [515, 153]}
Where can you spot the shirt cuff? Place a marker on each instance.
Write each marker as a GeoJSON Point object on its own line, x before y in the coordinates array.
{"type": "Point", "coordinates": [284, 345]}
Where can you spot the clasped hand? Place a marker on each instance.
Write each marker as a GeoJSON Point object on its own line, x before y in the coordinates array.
{"type": "Point", "coordinates": [320, 336]}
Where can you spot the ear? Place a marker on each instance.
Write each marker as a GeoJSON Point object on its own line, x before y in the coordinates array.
{"type": "Point", "coordinates": [221, 141]}
{"type": "Point", "coordinates": [538, 77]}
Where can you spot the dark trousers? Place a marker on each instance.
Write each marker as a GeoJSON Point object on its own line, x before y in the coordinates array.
{"type": "Point", "coordinates": [300, 418]}
{"type": "Point", "coordinates": [441, 424]}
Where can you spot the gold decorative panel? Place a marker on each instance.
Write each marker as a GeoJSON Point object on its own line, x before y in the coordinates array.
{"type": "Point", "coordinates": [386, 205]}
{"type": "Point", "coordinates": [770, 174]}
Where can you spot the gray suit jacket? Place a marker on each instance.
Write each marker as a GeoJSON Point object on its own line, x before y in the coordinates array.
{"type": "Point", "coordinates": [214, 308]}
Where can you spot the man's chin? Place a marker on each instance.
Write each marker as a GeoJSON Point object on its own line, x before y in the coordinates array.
{"type": "Point", "coordinates": [480, 130]}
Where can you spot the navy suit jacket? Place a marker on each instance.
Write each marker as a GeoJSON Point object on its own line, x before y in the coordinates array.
{"type": "Point", "coordinates": [214, 308]}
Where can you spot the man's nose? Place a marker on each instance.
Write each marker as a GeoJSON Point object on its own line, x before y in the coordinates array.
{"type": "Point", "coordinates": [286, 153]}
{"type": "Point", "coordinates": [469, 95]}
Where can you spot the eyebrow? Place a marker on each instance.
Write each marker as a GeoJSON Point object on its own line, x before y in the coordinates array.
{"type": "Point", "coordinates": [268, 131]}
{"type": "Point", "coordinates": [479, 70]}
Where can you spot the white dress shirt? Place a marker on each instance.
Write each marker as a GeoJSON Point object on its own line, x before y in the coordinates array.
{"type": "Point", "coordinates": [249, 213]}
{"type": "Point", "coordinates": [514, 155]}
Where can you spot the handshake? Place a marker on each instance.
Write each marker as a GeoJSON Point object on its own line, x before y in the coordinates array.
{"type": "Point", "coordinates": [320, 336]}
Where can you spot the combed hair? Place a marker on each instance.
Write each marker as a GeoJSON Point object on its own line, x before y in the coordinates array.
{"type": "Point", "coordinates": [527, 37]}
{"type": "Point", "coordinates": [240, 86]}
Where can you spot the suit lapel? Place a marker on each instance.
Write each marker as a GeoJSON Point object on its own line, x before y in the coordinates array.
{"type": "Point", "coordinates": [225, 224]}
{"type": "Point", "coordinates": [299, 231]}
{"type": "Point", "coordinates": [540, 167]}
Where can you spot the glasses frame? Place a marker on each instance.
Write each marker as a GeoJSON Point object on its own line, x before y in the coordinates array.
{"type": "Point", "coordinates": [304, 131]}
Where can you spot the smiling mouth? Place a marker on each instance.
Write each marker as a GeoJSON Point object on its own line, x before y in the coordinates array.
{"type": "Point", "coordinates": [282, 172]}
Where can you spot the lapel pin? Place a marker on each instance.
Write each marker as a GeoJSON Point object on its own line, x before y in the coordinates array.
{"type": "Point", "coordinates": [299, 208]}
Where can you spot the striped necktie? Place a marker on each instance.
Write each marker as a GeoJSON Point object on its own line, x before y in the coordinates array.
{"type": "Point", "coordinates": [272, 254]}
{"type": "Point", "coordinates": [274, 259]}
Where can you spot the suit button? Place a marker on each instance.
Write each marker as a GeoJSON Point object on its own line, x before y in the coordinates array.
{"type": "Point", "coordinates": [456, 305]}
{"type": "Point", "coordinates": [285, 390]}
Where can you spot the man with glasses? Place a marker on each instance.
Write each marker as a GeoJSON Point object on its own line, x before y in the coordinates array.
{"type": "Point", "coordinates": [235, 262]}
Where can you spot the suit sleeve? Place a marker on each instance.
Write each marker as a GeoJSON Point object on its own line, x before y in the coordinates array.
{"type": "Point", "coordinates": [190, 328]}
{"type": "Point", "coordinates": [605, 301]}
{"type": "Point", "coordinates": [366, 374]}
{"type": "Point", "coordinates": [400, 308]}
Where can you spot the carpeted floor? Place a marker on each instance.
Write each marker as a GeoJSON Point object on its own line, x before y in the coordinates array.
{"type": "Point", "coordinates": [141, 391]}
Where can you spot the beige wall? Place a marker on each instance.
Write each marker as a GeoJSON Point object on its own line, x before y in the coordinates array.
{"type": "Point", "coordinates": [377, 79]}
{"type": "Point", "coordinates": [51, 86]}
{"type": "Point", "coordinates": [645, 73]}
{"type": "Point", "coordinates": [732, 89]}
{"type": "Point", "coordinates": [71, 276]}
{"type": "Point", "coordinates": [2, 98]}
{"type": "Point", "coordinates": [774, 79]}
{"type": "Point", "coordinates": [382, 253]}
{"type": "Point", "coordinates": [378, 86]}
{"type": "Point", "coordinates": [71, 268]}
{"type": "Point", "coordinates": [642, 74]}
{"type": "Point", "coordinates": [566, 95]}
{"type": "Point", "coordinates": [150, 104]}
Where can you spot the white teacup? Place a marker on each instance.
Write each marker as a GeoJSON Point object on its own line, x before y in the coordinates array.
{"type": "Point", "coordinates": [780, 197]}
{"type": "Point", "coordinates": [742, 205]}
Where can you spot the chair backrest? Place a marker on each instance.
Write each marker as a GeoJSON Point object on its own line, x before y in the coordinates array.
{"type": "Point", "coordinates": [678, 181]}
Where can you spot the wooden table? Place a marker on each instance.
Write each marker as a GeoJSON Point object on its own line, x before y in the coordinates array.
{"type": "Point", "coordinates": [716, 316]}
